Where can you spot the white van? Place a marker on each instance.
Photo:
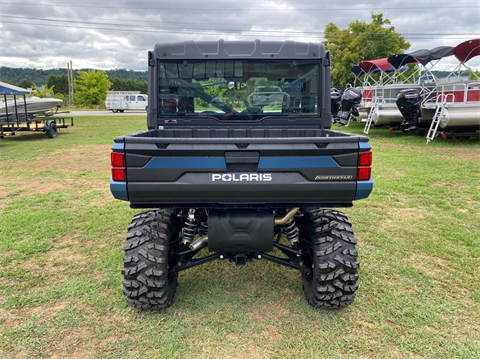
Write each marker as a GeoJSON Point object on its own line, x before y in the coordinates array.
{"type": "Point", "coordinates": [119, 101]}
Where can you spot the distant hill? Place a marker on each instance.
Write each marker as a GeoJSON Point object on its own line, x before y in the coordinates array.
{"type": "Point", "coordinates": [441, 74]}
{"type": "Point", "coordinates": [39, 77]}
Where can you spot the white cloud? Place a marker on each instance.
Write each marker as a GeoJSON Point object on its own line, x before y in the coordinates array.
{"type": "Point", "coordinates": [109, 34]}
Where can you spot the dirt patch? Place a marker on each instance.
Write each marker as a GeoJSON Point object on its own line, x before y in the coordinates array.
{"type": "Point", "coordinates": [402, 214]}
{"type": "Point", "coordinates": [60, 258]}
{"type": "Point", "coordinates": [475, 158]}
{"type": "Point", "coordinates": [69, 239]}
{"type": "Point", "coordinates": [433, 266]}
{"type": "Point", "coordinates": [8, 253]}
{"type": "Point", "coordinates": [77, 343]}
{"type": "Point", "coordinates": [462, 155]}
{"type": "Point", "coordinates": [73, 160]}
{"type": "Point", "coordinates": [442, 183]}
{"type": "Point", "coordinates": [79, 187]}
{"type": "Point", "coordinates": [470, 154]}
{"type": "Point", "coordinates": [257, 316]}
{"type": "Point", "coordinates": [270, 336]}
{"type": "Point", "coordinates": [85, 307]}
{"type": "Point", "coordinates": [34, 187]}
{"type": "Point", "coordinates": [47, 310]}
{"type": "Point", "coordinates": [7, 320]}
{"type": "Point", "coordinates": [279, 309]}
{"type": "Point", "coordinates": [65, 256]}
{"type": "Point", "coordinates": [268, 312]}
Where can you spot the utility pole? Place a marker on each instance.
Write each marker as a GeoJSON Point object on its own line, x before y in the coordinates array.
{"type": "Point", "coordinates": [70, 84]}
{"type": "Point", "coordinates": [68, 77]}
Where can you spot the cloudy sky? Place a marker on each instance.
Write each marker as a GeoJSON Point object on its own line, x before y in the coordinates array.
{"type": "Point", "coordinates": [108, 34]}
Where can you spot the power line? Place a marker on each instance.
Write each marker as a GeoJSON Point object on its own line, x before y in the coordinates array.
{"type": "Point", "coordinates": [219, 31]}
{"type": "Point", "coordinates": [240, 9]}
{"type": "Point", "coordinates": [211, 29]}
{"type": "Point", "coordinates": [233, 1]}
{"type": "Point", "coordinates": [223, 24]}
{"type": "Point", "coordinates": [208, 32]}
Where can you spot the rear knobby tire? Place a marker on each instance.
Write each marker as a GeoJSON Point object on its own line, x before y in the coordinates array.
{"type": "Point", "coordinates": [148, 283]}
{"type": "Point", "coordinates": [330, 278]}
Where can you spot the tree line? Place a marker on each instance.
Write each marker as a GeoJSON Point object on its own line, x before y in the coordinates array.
{"type": "Point", "coordinates": [60, 82]}
{"type": "Point", "coordinates": [90, 86]}
{"type": "Point", "coordinates": [39, 76]}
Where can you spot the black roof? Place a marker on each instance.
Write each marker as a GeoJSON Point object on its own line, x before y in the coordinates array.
{"type": "Point", "coordinates": [256, 49]}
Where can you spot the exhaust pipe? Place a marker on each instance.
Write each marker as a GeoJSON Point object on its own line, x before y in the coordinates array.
{"type": "Point", "coordinates": [287, 217]}
{"type": "Point", "coordinates": [199, 243]}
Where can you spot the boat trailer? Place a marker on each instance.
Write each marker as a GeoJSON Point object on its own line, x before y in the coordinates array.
{"type": "Point", "coordinates": [20, 120]}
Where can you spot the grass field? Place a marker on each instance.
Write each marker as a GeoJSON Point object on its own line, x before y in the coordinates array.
{"type": "Point", "coordinates": [61, 238]}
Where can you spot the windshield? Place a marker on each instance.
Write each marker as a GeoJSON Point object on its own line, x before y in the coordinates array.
{"type": "Point", "coordinates": [238, 90]}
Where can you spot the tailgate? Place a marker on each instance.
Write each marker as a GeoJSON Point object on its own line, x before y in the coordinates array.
{"type": "Point", "coordinates": [243, 171]}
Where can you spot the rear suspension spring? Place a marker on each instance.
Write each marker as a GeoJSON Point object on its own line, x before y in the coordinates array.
{"type": "Point", "coordinates": [291, 231]}
{"type": "Point", "coordinates": [190, 228]}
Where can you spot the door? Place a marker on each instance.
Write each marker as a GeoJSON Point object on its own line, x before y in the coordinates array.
{"type": "Point", "coordinates": [132, 102]}
{"type": "Point", "coordinates": [141, 102]}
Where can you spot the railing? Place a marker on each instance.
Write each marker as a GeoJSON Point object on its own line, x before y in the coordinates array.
{"type": "Point", "coordinates": [383, 95]}
{"type": "Point", "coordinates": [463, 93]}
{"type": "Point", "coordinates": [442, 98]}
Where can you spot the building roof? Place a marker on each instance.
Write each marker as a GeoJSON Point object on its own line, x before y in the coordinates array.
{"type": "Point", "coordinates": [8, 89]}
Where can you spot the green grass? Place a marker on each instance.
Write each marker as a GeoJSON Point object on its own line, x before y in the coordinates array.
{"type": "Point", "coordinates": [61, 238]}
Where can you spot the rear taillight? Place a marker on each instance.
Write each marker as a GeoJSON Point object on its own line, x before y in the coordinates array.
{"type": "Point", "coordinates": [365, 158]}
{"type": "Point", "coordinates": [364, 172]}
{"type": "Point", "coordinates": [118, 167]}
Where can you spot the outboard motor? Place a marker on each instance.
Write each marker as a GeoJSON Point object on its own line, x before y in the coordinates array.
{"type": "Point", "coordinates": [350, 102]}
{"type": "Point", "coordinates": [335, 100]}
{"type": "Point", "coordinates": [409, 104]}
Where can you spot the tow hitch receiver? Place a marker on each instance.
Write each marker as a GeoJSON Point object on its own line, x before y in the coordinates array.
{"type": "Point", "coordinates": [241, 259]}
